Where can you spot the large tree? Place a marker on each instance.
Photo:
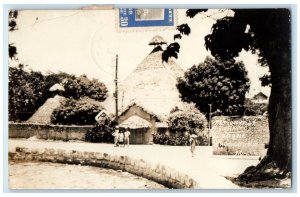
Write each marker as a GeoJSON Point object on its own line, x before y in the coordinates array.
{"type": "Point", "coordinates": [266, 32]}
{"type": "Point", "coordinates": [221, 84]}
{"type": "Point", "coordinates": [25, 92]}
{"type": "Point", "coordinates": [78, 87]}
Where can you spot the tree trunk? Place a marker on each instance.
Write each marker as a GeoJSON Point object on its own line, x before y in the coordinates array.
{"type": "Point", "coordinates": [280, 102]}
{"type": "Point", "coordinates": [280, 116]}
{"type": "Point", "coordinates": [278, 162]}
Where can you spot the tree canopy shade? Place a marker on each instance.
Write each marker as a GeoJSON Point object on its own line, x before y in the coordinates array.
{"type": "Point", "coordinates": [266, 32]}
{"type": "Point", "coordinates": [222, 84]}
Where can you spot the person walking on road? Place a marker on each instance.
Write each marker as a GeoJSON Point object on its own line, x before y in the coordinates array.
{"type": "Point", "coordinates": [193, 143]}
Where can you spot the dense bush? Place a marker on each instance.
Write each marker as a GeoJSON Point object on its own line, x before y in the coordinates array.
{"type": "Point", "coordinates": [188, 120]}
{"type": "Point", "coordinates": [182, 123]}
{"type": "Point", "coordinates": [101, 132]}
{"type": "Point", "coordinates": [77, 112]}
{"type": "Point", "coordinates": [182, 140]}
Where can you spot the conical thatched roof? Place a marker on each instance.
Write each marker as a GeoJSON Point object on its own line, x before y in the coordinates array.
{"type": "Point", "coordinates": [43, 114]}
{"type": "Point", "coordinates": [135, 122]}
{"type": "Point", "coordinates": [157, 40]}
{"type": "Point", "coordinates": [152, 86]}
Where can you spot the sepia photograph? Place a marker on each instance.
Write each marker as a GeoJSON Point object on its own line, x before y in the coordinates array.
{"type": "Point", "coordinates": [150, 98]}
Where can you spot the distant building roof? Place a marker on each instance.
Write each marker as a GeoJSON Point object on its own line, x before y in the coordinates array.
{"type": "Point", "coordinates": [260, 95]}
{"type": "Point", "coordinates": [57, 87]}
{"type": "Point", "coordinates": [260, 98]}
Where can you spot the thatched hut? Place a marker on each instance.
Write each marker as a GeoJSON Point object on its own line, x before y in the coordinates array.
{"type": "Point", "coordinates": [149, 92]}
{"type": "Point", "coordinates": [44, 112]}
{"type": "Point", "coordinates": [139, 128]}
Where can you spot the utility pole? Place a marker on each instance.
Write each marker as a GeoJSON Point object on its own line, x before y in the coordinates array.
{"type": "Point", "coordinates": [209, 124]}
{"type": "Point", "coordinates": [122, 102]}
{"type": "Point", "coordinates": [116, 88]}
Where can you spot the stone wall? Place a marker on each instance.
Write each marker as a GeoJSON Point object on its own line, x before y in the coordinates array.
{"type": "Point", "coordinates": [155, 172]}
{"type": "Point", "coordinates": [43, 131]}
{"type": "Point", "coordinates": [246, 135]}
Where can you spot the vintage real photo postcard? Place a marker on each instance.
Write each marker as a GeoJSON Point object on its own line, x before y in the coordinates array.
{"type": "Point", "coordinates": [144, 98]}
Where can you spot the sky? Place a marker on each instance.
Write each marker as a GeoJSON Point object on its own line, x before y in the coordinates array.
{"type": "Point", "coordinates": [87, 41]}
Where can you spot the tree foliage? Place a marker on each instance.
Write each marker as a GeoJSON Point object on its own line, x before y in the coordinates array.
{"type": "Point", "coordinates": [12, 51]}
{"type": "Point", "coordinates": [252, 29]}
{"type": "Point", "coordinates": [188, 120]}
{"type": "Point", "coordinates": [171, 51]}
{"type": "Point", "coordinates": [77, 87]}
{"type": "Point", "coordinates": [12, 17]}
{"type": "Point", "coordinates": [77, 112]}
{"type": "Point", "coordinates": [266, 80]}
{"type": "Point", "coordinates": [222, 84]}
{"type": "Point", "coordinates": [12, 25]}
{"type": "Point", "coordinates": [183, 123]}
{"type": "Point", "coordinates": [184, 29]}
{"type": "Point", "coordinates": [25, 93]}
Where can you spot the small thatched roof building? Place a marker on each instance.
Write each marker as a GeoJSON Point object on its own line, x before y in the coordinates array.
{"type": "Point", "coordinates": [44, 112]}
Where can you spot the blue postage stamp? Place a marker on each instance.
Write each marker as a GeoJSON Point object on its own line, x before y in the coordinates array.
{"type": "Point", "coordinates": [141, 17]}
